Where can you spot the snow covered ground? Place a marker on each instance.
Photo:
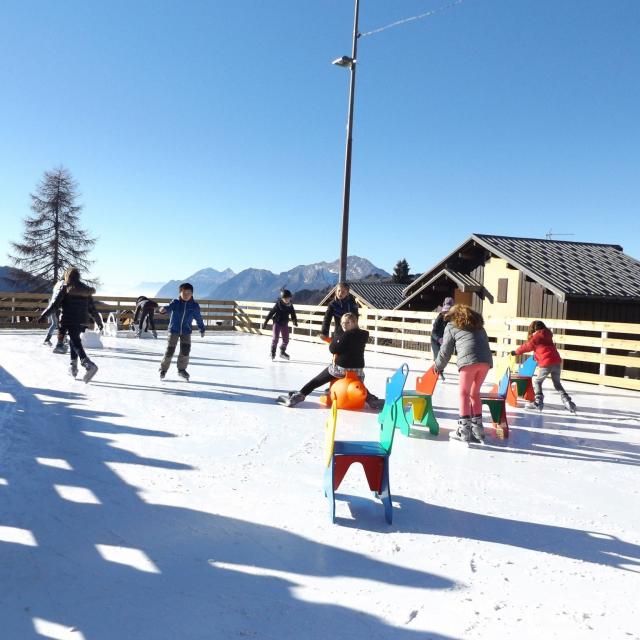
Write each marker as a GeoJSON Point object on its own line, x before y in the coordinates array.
{"type": "Point", "coordinates": [137, 509]}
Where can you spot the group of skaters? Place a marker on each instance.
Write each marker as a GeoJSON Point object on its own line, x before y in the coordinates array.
{"type": "Point", "coordinates": [71, 310]}
{"type": "Point", "coordinates": [457, 328]}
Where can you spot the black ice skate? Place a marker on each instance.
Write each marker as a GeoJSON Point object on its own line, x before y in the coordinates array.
{"type": "Point", "coordinates": [291, 399]}
{"type": "Point", "coordinates": [73, 369]}
{"type": "Point", "coordinates": [284, 355]}
{"type": "Point", "coordinates": [183, 374]}
{"type": "Point", "coordinates": [162, 374]}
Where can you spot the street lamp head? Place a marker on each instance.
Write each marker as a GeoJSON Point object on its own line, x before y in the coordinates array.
{"type": "Point", "coordinates": [344, 61]}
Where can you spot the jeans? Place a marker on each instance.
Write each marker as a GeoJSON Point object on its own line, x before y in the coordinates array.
{"type": "Point", "coordinates": [53, 326]}
{"type": "Point", "coordinates": [552, 370]}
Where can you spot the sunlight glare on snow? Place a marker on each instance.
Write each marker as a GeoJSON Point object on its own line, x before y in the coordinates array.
{"type": "Point", "coordinates": [76, 494]}
{"type": "Point", "coordinates": [125, 555]}
{"type": "Point", "coordinates": [58, 463]}
{"type": "Point", "coordinates": [17, 536]}
{"type": "Point", "coordinates": [56, 631]}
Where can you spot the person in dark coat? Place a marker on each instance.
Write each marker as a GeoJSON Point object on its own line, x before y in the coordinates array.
{"type": "Point", "coordinates": [280, 313]}
{"type": "Point", "coordinates": [437, 330]}
{"type": "Point", "coordinates": [342, 303]}
{"type": "Point", "coordinates": [348, 351]}
{"type": "Point", "coordinates": [143, 317]}
{"type": "Point", "coordinates": [74, 299]}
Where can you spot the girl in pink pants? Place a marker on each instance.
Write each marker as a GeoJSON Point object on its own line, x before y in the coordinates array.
{"type": "Point", "coordinates": [465, 334]}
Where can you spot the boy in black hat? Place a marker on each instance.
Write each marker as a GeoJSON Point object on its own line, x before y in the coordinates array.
{"type": "Point", "coordinates": [280, 313]}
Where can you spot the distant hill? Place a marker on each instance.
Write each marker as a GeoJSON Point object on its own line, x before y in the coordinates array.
{"type": "Point", "coordinates": [9, 283]}
{"type": "Point", "coordinates": [204, 282]}
{"type": "Point", "coordinates": [263, 285]}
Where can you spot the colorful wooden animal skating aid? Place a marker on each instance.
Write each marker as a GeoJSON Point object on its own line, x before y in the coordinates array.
{"type": "Point", "coordinates": [497, 399]}
{"type": "Point", "coordinates": [373, 456]}
{"type": "Point", "coordinates": [420, 404]}
{"type": "Point", "coordinates": [349, 392]}
{"type": "Point", "coordinates": [523, 379]}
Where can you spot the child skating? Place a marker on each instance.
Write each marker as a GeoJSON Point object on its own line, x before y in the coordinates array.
{"type": "Point", "coordinates": [184, 310]}
{"type": "Point", "coordinates": [280, 313]}
{"type": "Point", "coordinates": [465, 334]}
{"type": "Point", "coordinates": [348, 350]}
{"type": "Point", "coordinates": [540, 341]}
{"type": "Point", "coordinates": [75, 300]}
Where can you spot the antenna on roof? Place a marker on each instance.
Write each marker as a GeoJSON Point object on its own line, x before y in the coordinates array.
{"type": "Point", "coordinates": [550, 235]}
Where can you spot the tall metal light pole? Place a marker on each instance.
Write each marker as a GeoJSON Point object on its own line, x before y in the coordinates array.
{"type": "Point", "coordinates": [345, 61]}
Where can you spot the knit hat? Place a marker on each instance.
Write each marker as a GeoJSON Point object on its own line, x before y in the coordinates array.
{"type": "Point", "coordinates": [285, 293]}
{"type": "Point", "coordinates": [447, 304]}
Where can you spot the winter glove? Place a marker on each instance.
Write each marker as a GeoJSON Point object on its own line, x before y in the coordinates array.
{"type": "Point", "coordinates": [202, 333]}
{"type": "Point", "coordinates": [513, 353]}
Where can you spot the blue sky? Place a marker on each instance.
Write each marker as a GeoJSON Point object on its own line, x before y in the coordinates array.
{"type": "Point", "coordinates": [211, 133]}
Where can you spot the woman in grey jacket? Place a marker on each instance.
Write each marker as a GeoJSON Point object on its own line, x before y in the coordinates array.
{"type": "Point", "coordinates": [465, 333]}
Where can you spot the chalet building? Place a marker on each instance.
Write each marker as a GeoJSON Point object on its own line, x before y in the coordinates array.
{"type": "Point", "coordinates": [501, 276]}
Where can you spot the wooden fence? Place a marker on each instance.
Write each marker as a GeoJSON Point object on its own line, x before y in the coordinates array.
{"type": "Point", "coordinates": [21, 310]}
{"type": "Point", "coordinates": [606, 353]}
{"type": "Point", "coordinates": [610, 349]}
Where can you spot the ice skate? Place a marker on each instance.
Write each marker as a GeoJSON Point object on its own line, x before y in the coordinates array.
{"type": "Point", "coordinates": [60, 348]}
{"type": "Point", "coordinates": [569, 405]}
{"type": "Point", "coordinates": [463, 431]}
{"type": "Point", "coordinates": [291, 399]}
{"type": "Point", "coordinates": [47, 341]}
{"type": "Point", "coordinates": [183, 373]}
{"type": "Point", "coordinates": [536, 405]}
{"type": "Point", "coordinates": [154, 333]}
{"type": "Point", "coordinates": [73, 369]}
{"type": "Point", "coordinates": [284, 355]}
{"type": "Point", "coordinates": [477, 430]}
{"type": "Point", "coordinates": [91, 370]}
{"type": "Point", "coordinates": [374, 402]}
{"type": "Point", "coordinates": [273, 355]}
{"type": "Point", "coordinates": [162, 374]}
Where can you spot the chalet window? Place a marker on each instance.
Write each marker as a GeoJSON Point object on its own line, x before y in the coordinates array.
{"type": "Point", "coordinates": [503, 286]}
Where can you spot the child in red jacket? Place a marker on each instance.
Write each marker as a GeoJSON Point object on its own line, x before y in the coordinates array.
{"type": "Point", "coordinates": [549, 363]}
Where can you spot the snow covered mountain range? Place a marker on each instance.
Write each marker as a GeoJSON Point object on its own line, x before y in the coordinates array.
{"type": "Point", "coordinates": [263, 285]}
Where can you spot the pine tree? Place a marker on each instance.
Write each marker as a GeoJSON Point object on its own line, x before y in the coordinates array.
{"type": "Point", "coordinates": [52, 239]}
{"type": "Point", "coordinates": [401, 272]}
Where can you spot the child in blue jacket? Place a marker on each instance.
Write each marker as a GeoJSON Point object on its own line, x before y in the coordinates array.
{"type": "Point", "coordinates": [184, 310]}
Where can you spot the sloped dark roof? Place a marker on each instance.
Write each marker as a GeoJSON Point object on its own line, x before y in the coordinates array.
{"type": "Point", "coordinates": [464, 282]}
{"type": "Point", "coordinates": [377, 295]}
{"type": "Point", "coordinates": [380, 295]}
{"type": "Point", "coordinates": [569, 269]}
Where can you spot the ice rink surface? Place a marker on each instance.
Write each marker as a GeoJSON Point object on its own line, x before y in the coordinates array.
{"type": "Point", "coordinates": [132, 508]}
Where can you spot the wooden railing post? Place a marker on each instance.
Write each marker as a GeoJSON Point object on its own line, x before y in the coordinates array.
{"type": "Point", "coordinates": [603, 353]}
